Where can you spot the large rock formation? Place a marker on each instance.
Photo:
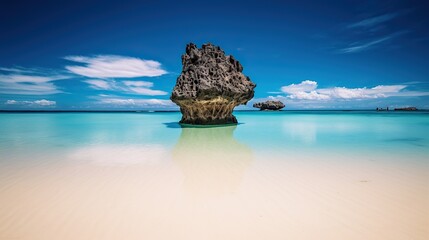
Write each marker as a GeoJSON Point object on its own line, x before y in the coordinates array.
{"type": "Point", "coordinates": [210, 86]}
{"type": "Point", "coordinates": [269, 105]}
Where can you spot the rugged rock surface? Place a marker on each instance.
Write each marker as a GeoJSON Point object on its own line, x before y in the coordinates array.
{"type": "Point", "coordinates": [210, 86]}
{"type": "Point", "coordinates": [269, 105]}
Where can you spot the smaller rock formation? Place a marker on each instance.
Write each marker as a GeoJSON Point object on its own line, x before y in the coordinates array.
{"type": "Point", "coordinates": [269, 105]}
{"type": "Point", "coordinates": [406, 109]}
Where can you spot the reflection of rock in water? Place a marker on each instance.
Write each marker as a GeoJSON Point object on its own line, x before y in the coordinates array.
{"type": "Point", "coordinates": [212, 161]}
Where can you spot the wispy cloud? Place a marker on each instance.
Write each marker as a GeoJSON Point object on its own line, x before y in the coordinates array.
{"type": "Point", "coordinates": [373, 21]}
{"type": "Point", "coordinates": [364, 46]}
{"type": "Point", "coordinates": [308, 90]}
{"type": "Point", "coordinates": [29, 81]}
{"type": "Point", "coordinates": [41, 102]}
{"type": "Point", "coordinates": [117, 101]}
{"type": "Point", "coordinates": [371, 33]}
{"type": "Point", "coordinates": [138, 83]}
{"type": "Point", "coordinates": [21, 70]}
{"type": "Point", "coordinates": [359, 47]}
{"type": "Point", "coordinates": [130, 87]}
{"type": "Point", "coordinates": [100, 84]}
{"type": "Point", "coordinates": [113, 66]}
{"type": "Point", "coordinates": [137, 102]}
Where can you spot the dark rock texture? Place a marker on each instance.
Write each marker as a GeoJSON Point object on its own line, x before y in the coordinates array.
{"type": "Point", "coordinates": [269, 105]}
{"type": "Point", "coordinates": [210, 86]}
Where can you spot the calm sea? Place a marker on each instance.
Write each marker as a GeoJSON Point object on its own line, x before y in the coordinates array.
{"type": "Point", "coordinates": [286, 132]}
{"type": "Point", "coordinates": [275, 175]}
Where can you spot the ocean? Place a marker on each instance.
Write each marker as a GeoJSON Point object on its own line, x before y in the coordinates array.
{"type": "Point", "coordinates": [275, 175]}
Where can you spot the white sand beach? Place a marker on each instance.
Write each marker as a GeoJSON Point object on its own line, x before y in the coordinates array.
{"type": "Point", "coordinates": [205, 193]}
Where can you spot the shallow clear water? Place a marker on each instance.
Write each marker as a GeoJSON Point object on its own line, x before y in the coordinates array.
{"type": "Point", "coordinates": [329, 130]}
{"type": "Point", "coordinates": [345, 175]}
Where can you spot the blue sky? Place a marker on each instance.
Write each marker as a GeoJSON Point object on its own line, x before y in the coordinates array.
{"type": "Point", "coordinates": [111, 55]}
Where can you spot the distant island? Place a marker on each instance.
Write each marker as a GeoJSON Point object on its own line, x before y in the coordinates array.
{"type": "Point", "coordinates": [406, 109]}
{"type": "Point", "coordinates": [397, 109]}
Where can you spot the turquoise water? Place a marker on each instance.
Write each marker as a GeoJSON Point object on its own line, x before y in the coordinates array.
{"type": "Point", "coordinates": [288, 131]}
{"type": "Point", "coordinates": [302, 174]}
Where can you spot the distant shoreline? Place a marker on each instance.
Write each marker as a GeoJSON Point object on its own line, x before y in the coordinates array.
{"type": "Point", "coordinates": [175, 111]}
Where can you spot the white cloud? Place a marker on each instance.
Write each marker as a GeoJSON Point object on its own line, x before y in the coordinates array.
{"type": "Point", "coordinates": [45, 102]}
{"type": "Point", "coordinates": [99, 84]}
{"type": "Point", "coordinates": [114, 101]}
{"type": "Point", "coordinates": [29, 81]}
{"type": "Point", "coordinates": [138, 102]}
{"type": "Point", "coordinates": [42, 102]}
{"type": "Point", "coordinates": [113, 66]}
{"type": "Point", "coordinates": [304, 90]}
{"type": "Point", "coordinates": [138, 83]}
{"type": "Point", "coordinates": [371, 33]}
{"type": "Point", "coordinates": [364, 46]}
{"type": "Point", "coordinates": [313, 95]}
{"type": "Point", "coordinates": [369, 22]}
{"type": "Point", "coordinates": [362, 93]}
{"type": "Point", "coordinates": [130, 87]}
{"type": "Point", "coordinates": [304, 86]}
{"type": "Point", "coordinates": [308, 90]}
{"type": "Point", "coordinates": [20, 70]}
{"type": "Point", "coordinates": [147, 91]}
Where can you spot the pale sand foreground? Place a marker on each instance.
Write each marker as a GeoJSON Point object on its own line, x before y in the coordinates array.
{"type": "Point", "coordinates": [207, 193]}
